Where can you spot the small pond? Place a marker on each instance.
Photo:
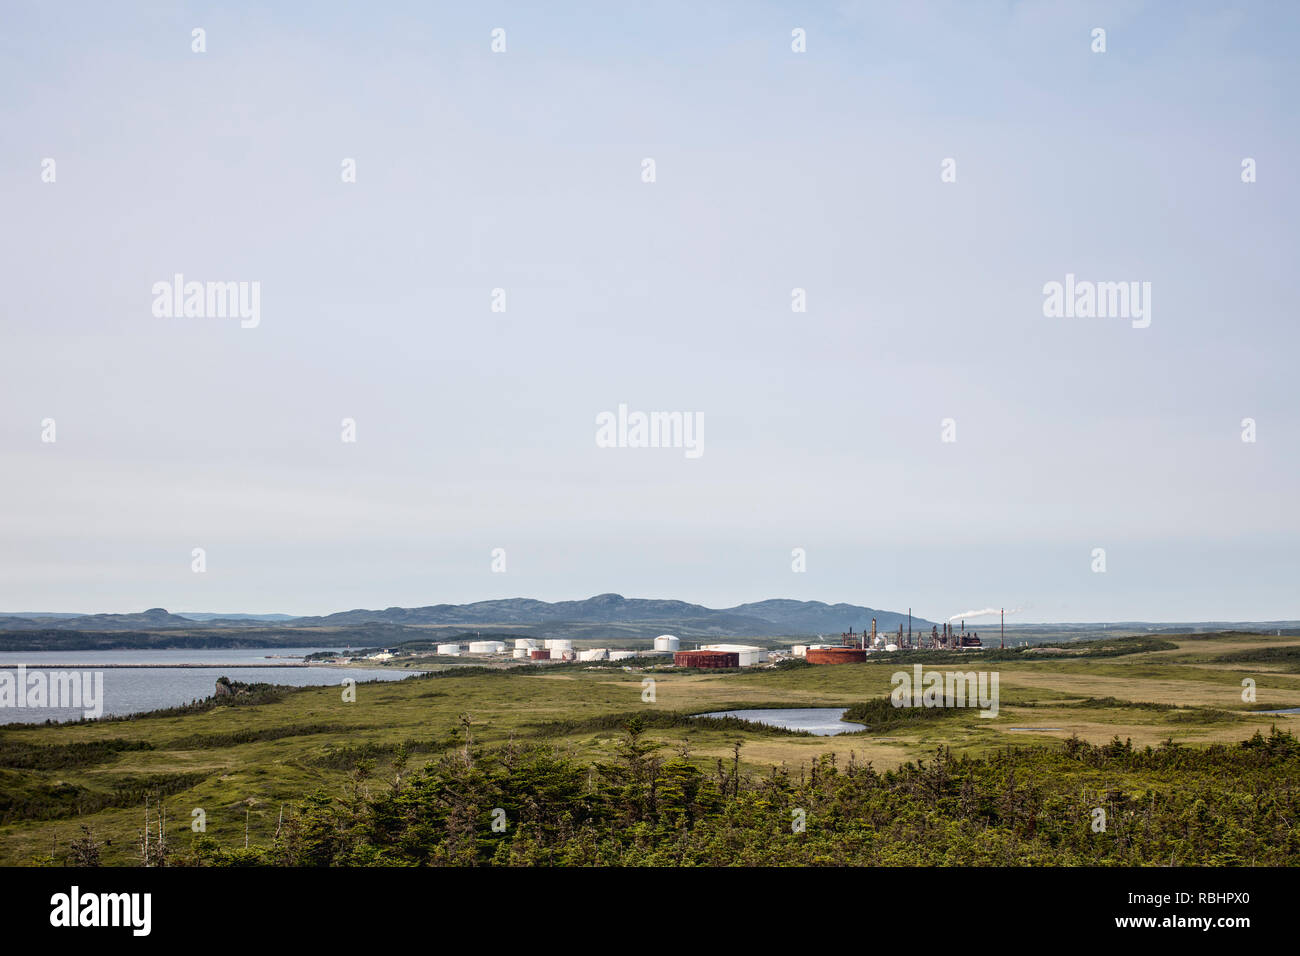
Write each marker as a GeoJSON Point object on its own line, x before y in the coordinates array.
{"type": "Point", "coordinates": [821, 721]}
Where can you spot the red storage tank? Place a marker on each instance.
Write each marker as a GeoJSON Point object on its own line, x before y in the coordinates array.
{"type": "Point", "coordinates": [543, 655]}
{"type": "Point", "coordinates": [835, 655]}
{"type": "Point", "coordinates": [706, 658]}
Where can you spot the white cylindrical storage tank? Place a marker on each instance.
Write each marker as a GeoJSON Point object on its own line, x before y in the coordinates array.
{"type": "Point", "coordinates": [487, 647]}
{"type": "Point", "coordinates": [747, 654]}
{"type": "Point", "coordinates": [449, 650]}
{"type": "Point", "coordinates": [525, 643]}
{"type": "Point", "coordinates": [521, 653]}
{"type": "Point", "coordinates": [592, 654]}
{"type": "Point", "coordinates": [891, 647]}
{"type": "Point", "coordinates": [799, 650]}
{"type": "Point", "coordinates": [621, 655]}
{"type": "Point", "coordinates": [666, 642]}
{"type": "Point", "coordinates": [559, 644]}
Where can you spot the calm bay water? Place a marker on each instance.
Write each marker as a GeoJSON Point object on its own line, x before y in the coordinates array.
{"type": "Point", "coordinates": [132, 686]}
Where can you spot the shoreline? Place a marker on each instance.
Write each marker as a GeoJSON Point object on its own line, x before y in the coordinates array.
{"type": "Point", "coordinates": [105, 667]}
{"type": "Point", "coordinates": [119, 666]}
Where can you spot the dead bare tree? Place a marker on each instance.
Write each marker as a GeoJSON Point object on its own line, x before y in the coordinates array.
{"type": "Point", "coordinates": [467, 723]}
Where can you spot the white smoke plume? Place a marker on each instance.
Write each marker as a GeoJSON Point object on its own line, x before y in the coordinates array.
{"type": "Point", "coordinates": [985, 612]}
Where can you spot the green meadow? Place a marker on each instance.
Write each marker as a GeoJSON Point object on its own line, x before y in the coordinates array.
{"type": "Point", "coordinates": [245, 766]}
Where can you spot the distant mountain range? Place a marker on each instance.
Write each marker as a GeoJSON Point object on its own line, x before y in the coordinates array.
{"type": "Point", "coordinates": [632, 617]}
{"type": "Point", "coordinates": [45, 621]}
{"type": "Point", "coordinates": [198, 616]}
{"type": "Point", "coordinates": [154, 618]}
{"type": "Point", "coordinates": [604, 614]}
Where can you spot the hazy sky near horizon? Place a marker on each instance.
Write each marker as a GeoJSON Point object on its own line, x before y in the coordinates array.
{"type": "Point", "coordinates": [775, 170]}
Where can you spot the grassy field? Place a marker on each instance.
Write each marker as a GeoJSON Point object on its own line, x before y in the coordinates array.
{"type": "Point", "coordinates": [242, 764]}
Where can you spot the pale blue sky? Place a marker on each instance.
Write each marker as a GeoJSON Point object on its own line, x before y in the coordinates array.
{"type": "Point", "coordinates": [522, 170]}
